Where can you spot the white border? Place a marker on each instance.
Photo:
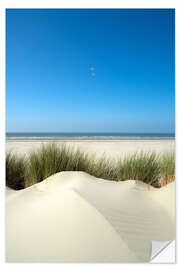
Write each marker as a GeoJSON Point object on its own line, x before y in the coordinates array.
{"type": "Point", "coordinates": [74, 4]}
{"type": "Point", "coordinates": [2, 131]}
{"type": "Point", "coordinates": [90, 4]}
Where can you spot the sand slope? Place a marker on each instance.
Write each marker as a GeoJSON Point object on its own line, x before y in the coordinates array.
{"type": "Point", "coordinates": [75, 217]}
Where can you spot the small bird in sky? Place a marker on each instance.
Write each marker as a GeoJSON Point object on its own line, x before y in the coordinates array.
{"type": "Point", "coordinates": [92, 69]}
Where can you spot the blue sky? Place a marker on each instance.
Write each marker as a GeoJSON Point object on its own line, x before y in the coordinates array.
{"type": "Point", "coordinates": [49, 84]}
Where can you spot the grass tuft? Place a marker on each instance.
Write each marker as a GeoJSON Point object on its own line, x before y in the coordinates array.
{"type": "Point", "coordinates": [139, 166]}
{"type": "Point", "coordinates": [167, 166]}
{"type": "Point", "coordinates": [15, 171]}
{"type": "Point", "coordinates": [50, 159]}
{"type": "Point", "coordinates": [104, 168]}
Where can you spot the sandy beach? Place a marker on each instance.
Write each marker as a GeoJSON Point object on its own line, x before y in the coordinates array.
{"type": "Point", "coordinates": [112, 148]}
{"type": "Point", "coordinates": [116, 221]}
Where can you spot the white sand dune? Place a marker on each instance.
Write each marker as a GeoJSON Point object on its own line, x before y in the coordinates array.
{"type": "Point", "coordinates": [75, 217]}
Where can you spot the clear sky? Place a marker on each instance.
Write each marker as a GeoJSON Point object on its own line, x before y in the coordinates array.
{"type": "Point", "coordinates": [50, 86]}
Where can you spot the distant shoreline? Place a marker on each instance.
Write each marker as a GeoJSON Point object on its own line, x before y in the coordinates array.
{"type": "Point", "coordinates": [88, 140]}
{"type": "Point", "coordinates": [87, 136]}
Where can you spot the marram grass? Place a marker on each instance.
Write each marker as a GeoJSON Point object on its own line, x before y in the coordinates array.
{"type": "Point", "coordinates": [15, 171]}
{"type": "Point", "coordinates": [50, 159]}
{"type": "Point", "coordinates": [142, 166]}
{"type": "Point", "coordinates": [167, 168]}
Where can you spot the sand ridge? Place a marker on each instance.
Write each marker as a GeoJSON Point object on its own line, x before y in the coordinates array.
{"type": "Point", "coordinates": [115, 221]}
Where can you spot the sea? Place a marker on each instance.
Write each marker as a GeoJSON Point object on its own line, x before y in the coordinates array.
{"type": "Point", "coordinates": [88, 136]}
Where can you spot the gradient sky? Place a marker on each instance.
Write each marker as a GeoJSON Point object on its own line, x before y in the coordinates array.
{"type": "Point", "coordinates": [49, 84]}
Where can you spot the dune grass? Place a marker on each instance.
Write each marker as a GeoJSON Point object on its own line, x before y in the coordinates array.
{"type": "Point", "coordinates": [15, 171]}
{"type": "Point", "coordinates": [167, 167]}
{"type": "Point", "coordinates": [142, 166]}
{"type": "Point", "coordinates": [102, 167]}
{"type": "Point", "coordinates": [50, 159]}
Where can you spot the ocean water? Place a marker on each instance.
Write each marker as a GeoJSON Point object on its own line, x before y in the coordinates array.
{"type": "Point", "coordinates": [89, 136]}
